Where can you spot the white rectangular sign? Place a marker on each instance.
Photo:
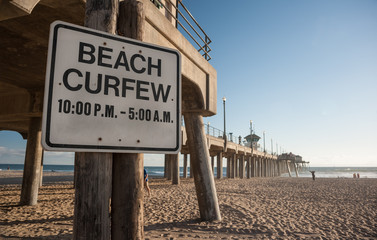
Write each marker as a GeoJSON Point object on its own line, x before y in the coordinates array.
{"type": "Point", "coordinates": [107, 93]}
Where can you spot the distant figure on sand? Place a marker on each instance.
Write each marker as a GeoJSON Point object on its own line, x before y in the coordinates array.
{"type": "Point", "coordinates": [358, 175]}
{"type": "Point", "coordinates": [354, 175]}
{"type": "Point", "coordinates": [146, 182]}
{"type": "Point", "coordinates": [313, 175]}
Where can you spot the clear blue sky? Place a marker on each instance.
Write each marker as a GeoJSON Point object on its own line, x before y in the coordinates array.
{"type": "Point", "coordinates": [305, 72]}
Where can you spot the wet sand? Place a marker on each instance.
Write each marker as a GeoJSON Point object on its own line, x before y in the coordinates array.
{"type": "Point", "coordinates": [260, 208]}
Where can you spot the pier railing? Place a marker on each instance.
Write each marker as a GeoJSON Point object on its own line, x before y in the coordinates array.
{"type": "Point", "coordinates": [215, 132]}
{"type": "Point", "coordinates": [189, 26]}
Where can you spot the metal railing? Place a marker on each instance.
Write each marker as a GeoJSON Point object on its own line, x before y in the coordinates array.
{"type": "Point", "coordinates": [201, 40]}
{"type": "Point", "coordinates": [215, 132]}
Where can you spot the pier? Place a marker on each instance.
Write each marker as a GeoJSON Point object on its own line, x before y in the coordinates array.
{"type": "Point", "coordinates": [242, 161]}
{"type": "Point", "coordinates": [24, 28]}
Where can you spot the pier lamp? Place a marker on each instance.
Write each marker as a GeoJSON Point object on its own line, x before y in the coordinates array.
{"type": "Point", "coordinates": [264, 141]}
{"type": "Point", "coordinates": [251, 135]}
{"type": "Point", "coordinates": [224, 136]}
{"type": "Point", "coordinates": [272, 147]}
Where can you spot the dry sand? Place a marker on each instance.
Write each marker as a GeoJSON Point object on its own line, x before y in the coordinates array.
{"type": "Point", "coordinates": [260, 208]}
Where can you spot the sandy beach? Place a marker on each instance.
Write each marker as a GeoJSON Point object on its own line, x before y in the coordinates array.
{"type": "Point", "coordinates": [259, 208]}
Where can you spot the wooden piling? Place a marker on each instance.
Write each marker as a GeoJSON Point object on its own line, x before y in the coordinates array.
{"type": "Point", "coordinates": [199, 155]}
{"type": "Point", "coordinates": [232, 165]}
{"type": "Point", "coordinates": [228, 161]}
{"type": "Point", "coordinates": [288, 169]}
{"type": "Point", "coordinates": [165, 167]}
{"type": "Point", "coordinates": [241, 166]}
{"type": "Point", "coordinates": [219, 165]}
{"type": "Point", "coordinates": [252, 163]}
{"type": "Point", "coordinates": [127, 215]}
{"type": "Point", "coordinates": [32, 166]}
{"type": "Point", "coordinates": [169, 169]}
{"type": "Point", "coordinates": [185, 166]}
{"type": "Point", "coordinates": [93, 171]}
{"type": "Point", "coordinates": [93, 174]}
{"type": "Point", "coordinates": [127, 196]}
{"type": "Point", "coordinates": [213, 165]}
{"type": "Point", "coordinates": [296, 170]}
{"type": "Point", "coordinates": [174, 159]}
{"type": "Point", "coordinates": [41, 175]}
{"type": "Point", "coordinates": [248, 167]}
{"type": "Point", "coordinates": [191, 174]}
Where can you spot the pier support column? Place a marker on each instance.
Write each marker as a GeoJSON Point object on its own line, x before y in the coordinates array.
{"type": "Point", "coordinates": [127, 202]}
{"type": "Point", "coordinates": [41, 178]}
{"type": "Point", "coordinates": [265, 167]}
{"type": "Point", "coordinates": [219, 165]}
{"type": "Point", "coordinates": [252, 166]}
{"type": "Point", "coordinates": [32, 166]}
{"type": "Point", "coordinates": [213, 165]}
{"type": "Point", "coordinates": [185, 165]}
{"type": "Point", "coordinates": [174, 159]}
{"type": "Point", "coordinates": [168, 167]}
{"type": "Point", "coordinates": [248, 166]}
{"type": "Point", "coordinates": [242, 166]}
{"type": "Point", "coordinates": [228, 166]}
{"type": "Point", "coordinates": [288, 169]}
{"type": "Point", "coordinates": [232, 164]}
{"type": "Point", "coordinates": [260, 164]}
{"type": "Point", "coordinates": [296, 170]}
{"type": "Point", "coordinates": [278, 168]}
{"type": "Point", "coordinates": [93, 186]}
{"type": "Point", "coordinates": [191, 174]}
{"type": "Point", "coordinates": [199, 155]}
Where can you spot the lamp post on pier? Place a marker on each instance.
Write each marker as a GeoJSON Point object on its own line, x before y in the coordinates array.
{"type": "Point", "coordinates": [264, 141]}
{"type": "Point", "coordinates": [272, 147]}
{"type": "Point", "coordinates": [251, 135]}
{"type": "Point", "coordinates": [224, 135]}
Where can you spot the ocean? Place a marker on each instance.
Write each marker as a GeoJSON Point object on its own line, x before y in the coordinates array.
{"type": "Point", "coordinates": [320, 172]}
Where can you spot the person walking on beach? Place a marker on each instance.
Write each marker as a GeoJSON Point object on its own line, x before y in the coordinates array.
{"type": "Point", "coordinates": [313, 175]}
{"type": "Point", "coordinates": [146, 182]}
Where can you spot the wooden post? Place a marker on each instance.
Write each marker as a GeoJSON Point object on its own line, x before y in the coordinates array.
{"type": "Point", "coordinates": [41, 178]}
{"type": "Point", "coordinates": [199, 154]}
{"type": "Point", "coordinates": [260, 166]}
{"type": "Point", "coordinates": [242, 166]}
{"type": "Point", "coordinates": [247, 160]}
{"type": "Point", "coordinates": [168, 167]}
{"type": "Point", "coordinates": [185, 165]}
{"type": "Point", "coordinates": [295, 165]}
{"type": "Point", "coordinates": [191, 174]}
{"type": "Point", "coordinates": [174, 159]}
{"type": "Point", "coordinates": [127, 197]}
{"type": "Point", "coordinates": [127, 215]}
{"type": "Point", "coordinates": [219, 165]}
{"type": "Point", "coordinates": [93, 171]}
{"type": "Point", "coordinates": [256, 162]}
{"type": "Point", "coordinates": [32, 165]}
{"type": "Point", "coordinates": [252, 163]}
{"type": "Point", "coordinates": [213, 165]}
{"type": "Point", "coordinates": [228, 161]}
{"type": "Point", "coordinates": [264, 167]}
{"type": "Point", "coordinates": [165, 167]}
{"type": "Point", "coordinates": [232, 167]}
{"type": "Point", "coordinates": [278, 168]}
{"type": "Point", "coordinates": [288, 169]}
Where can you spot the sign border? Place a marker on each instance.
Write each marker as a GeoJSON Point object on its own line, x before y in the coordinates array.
{"type": "Point", "coordinates": [55, 26]}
